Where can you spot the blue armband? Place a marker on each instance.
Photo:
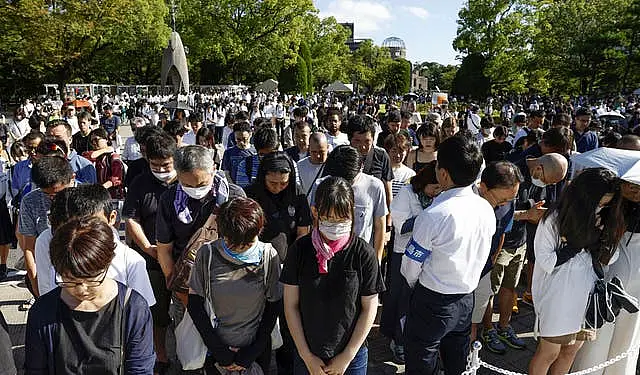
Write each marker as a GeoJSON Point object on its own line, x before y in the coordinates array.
{"type": "Point", "coordinates": [416, 252]}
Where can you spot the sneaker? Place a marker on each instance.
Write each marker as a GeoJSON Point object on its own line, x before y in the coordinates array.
{"type": "Point", "coordinates": [398, 353]}
{"type": "Point", "coordinates": [492, 342]}
{"type": "Point", "coordinates": [515, 308]}
{"type": "Point", "coordinates": [509, 337]}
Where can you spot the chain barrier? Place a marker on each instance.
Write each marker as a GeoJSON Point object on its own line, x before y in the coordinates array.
{"type": "Point", "coordinates": [474, 362]}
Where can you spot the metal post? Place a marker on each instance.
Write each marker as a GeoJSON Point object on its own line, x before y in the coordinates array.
{"type": "Point", "coordinates": [475, 356]}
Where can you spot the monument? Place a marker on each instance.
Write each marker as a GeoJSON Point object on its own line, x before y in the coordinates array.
{"type": "Point", "coordinates": [174, 60]}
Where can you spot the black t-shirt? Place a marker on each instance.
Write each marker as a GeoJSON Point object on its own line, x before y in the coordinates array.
{"type": "Point", "coordinates": [330, 303]}
{"type": "Point", "coordinates": [284, 216]}
{"type": "Point", "coordinates": [135, 169]}
{"type": "Point", "coordinates": [89, 341]}
{"type": "Point", "coordinates": [170, 229]}
{"type": "Point", "coordinates": [380, 166]}
{"type": "Point", "coordinates": [141, 204]}
{"type": "Point", "coordinates": [81, 143]}
{"type": "Point", "coordinates": [494, 151]}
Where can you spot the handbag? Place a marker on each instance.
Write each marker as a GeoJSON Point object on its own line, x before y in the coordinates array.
{"type": "Point", "coordinates": [191, 349]}
{"type": "Point", "coordinates": [207, 232]}
{"type": "Point", "coordinates": [607, 299]}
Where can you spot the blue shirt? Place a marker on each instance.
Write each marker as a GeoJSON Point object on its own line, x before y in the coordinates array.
{"type": "Point", "coordinates": [83, 168]}
{"type": "Point", "coordinates": [586, 142]}
{"type": "Point", "coordinates": [21, 178]}
{"type": "Point", "coordinates": [110, 124]}
{"type": "Point", "coordinates": [246, 175]}
{"type": "Point", "coordinates": [231, 158]}
{"type": "Point", "coordinates": [504, 222]}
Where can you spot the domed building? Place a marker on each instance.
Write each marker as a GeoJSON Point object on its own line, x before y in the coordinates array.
{"type": "Point", "coordinates": [396, 47]}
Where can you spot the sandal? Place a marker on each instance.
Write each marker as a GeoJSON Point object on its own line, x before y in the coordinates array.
{"type": "Point", "coordinates": [161, 368]}
{"type": "Point", "coordinates": [27, 305]}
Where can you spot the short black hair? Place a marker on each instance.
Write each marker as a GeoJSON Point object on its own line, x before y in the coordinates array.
{"type": "Point", "coordinates": [241, 116]}
{"type": "Point", "coordinates": [333, 111]}
{"type": "Point", "coordinates": [300, 112]}
{"type": "Point", "coordinates": [344, 161]}
{"type": "Point", "coordinates": [361, 124]}
{"type": "Point", "coordinates": [334, 194]}
{"type": "Point", "coordinates": [242, 126]}
{"type": "Point", "coordinates": [160, 146]}
{"type": "Point", "coordinates": [100, 133]}
{"type": "Point", "coordinates": [461, 158]}
{"type": "Point", "coordinates": [500, 131]}
{"type": "Point", "coordinates": [52, 146]}
{"type": "Point", "coordinates": [51, 170]}
{"type": "Point", "coordinates": [394, 116]}
{"type": "Point", "coordinates": [501, 174]}
{"type": "Point", "coordinates": [82, 201]}
{"type": "Point", "coordinates": [583, 111]}
{"type": "Point", "coordinates": [560, 139]}
{"type": "Point", "coordinates": [32, 136]}
{"type": "Point", "coordinates": [536, 113]}
{"type": "Point", "coordinates": [141, 134]}
{"type": "Point", "coordinates": [175, 128]}
{"type": "Point", "coordinates": [266, 138]}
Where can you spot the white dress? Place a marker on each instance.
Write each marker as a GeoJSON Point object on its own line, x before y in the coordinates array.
{"type": "Point", "coordinates": [614, 339]}
{"type": "Point", "coordinates": [560, 294]}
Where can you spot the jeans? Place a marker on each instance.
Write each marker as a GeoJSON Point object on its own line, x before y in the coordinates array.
{"type": "Point", "coordinates": [358, 365]}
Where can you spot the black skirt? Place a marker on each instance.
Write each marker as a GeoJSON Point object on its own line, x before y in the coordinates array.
{"type": "Point", "coordinates": [7, 231]}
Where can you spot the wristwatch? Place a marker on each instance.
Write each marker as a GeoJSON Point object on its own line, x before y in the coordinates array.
{"type": "Point", "coordinates": [389, 228]}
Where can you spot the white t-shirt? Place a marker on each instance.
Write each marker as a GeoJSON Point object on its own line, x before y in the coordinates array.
{"type": "Point", "coordinates": [189, 138]}
{"type": "Point", "coordinates": [401, 177]}
{"type": "Point", "coordinates": [560, 293]}
{"type": "Point", "coordinates": [338, 140]}
{"type": "Point", "coordinates": [307, 172]}
{"type": "Point", "coordinates": [127, 267]}
{"type": "Point", "coordinates": [131, 150]}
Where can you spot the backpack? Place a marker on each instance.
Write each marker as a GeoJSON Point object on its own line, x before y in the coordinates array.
{"type": "Point", "coordinates": [206, 232]}
{"type": "Point", "coordinates": [105, 173]}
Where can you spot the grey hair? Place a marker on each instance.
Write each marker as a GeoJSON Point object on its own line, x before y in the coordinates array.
{"type": "Point", "coordinates": [190, 158]}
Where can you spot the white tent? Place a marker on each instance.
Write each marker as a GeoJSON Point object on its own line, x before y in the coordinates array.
{"type": "Point", "coordinates": [337, 86]}
{"type": "Point", "coordinates": [625, 163]}
{"type": "Point", "coordinates": [268, 86]}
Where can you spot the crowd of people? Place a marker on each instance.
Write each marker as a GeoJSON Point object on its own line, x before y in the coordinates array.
{"type": "Point", "coordinates": [252, 223]}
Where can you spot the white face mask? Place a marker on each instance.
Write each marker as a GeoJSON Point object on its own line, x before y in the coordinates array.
{"type": "Point", "coordinates": [537, 182]}
{"type": "Point", "coordinates": [335, 231]}
{"type": "Point", "coordinates": [165, 176]}
{"type": "Point", "coordinates": [197, 193]}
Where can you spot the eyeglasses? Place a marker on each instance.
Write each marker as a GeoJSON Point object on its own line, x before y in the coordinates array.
{"type": "Point", "coordinates": [87, 283]}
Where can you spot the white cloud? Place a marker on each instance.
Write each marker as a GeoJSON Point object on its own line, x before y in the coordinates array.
{"type": "Point", "coordinates": [417, 11]}
{"type": "Point", "coordinates": [368, 16]}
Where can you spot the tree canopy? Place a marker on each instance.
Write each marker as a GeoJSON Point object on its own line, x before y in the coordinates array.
{"type": "Point", "coordinates": [547, 46]}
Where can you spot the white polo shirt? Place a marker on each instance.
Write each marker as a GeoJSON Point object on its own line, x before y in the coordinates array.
{"type": "Point", "coordinates": [451, 243]}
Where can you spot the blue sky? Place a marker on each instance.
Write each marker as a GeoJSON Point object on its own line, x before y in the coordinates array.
{"type": "Point", "coordinates": [427, 27]}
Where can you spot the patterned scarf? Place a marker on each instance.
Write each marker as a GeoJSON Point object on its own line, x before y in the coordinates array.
{"type": "Point", "coordinates": [219, 189]}
{"type": "Point", "coordinates": [326, 250]}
